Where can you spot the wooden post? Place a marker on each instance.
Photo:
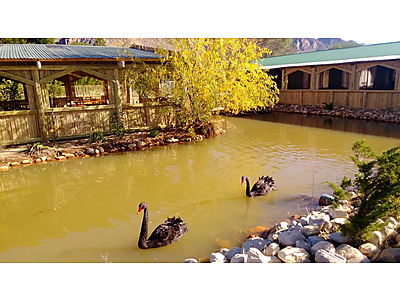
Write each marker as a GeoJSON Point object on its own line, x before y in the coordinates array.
{"type": "Point", "coordinates": [117, 94]}
{"type": "Point", "coordinates": [40, 106]}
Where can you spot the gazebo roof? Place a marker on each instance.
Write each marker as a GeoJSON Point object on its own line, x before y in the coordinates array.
{"type": "Point", "coordinates": [375, 52]}
{"type": "Point", "coordinates": [70, 52]}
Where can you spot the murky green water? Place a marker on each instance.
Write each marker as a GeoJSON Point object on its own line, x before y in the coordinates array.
{"type": "Point", "coordinates": [85, 209]}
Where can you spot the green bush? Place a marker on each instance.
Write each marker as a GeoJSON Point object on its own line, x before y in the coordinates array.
{"type": "Point", "coordinates": [377, 185]}
{"type": "Point", "coordinates": [97, 136]}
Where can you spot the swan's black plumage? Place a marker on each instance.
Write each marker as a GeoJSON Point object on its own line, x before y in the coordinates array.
{"type": "Point", "coordinates": [166, 233]}
{"type": "Point", "coordinates": [263, 186]}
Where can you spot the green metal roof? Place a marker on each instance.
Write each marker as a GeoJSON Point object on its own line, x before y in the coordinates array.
{"type": "Point", "coordinates": [375, 52]}
{"type": "Point", "coordinates": [62, 52]}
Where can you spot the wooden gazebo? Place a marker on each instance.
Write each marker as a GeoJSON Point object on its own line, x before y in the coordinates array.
{"type": "Point", "coordinates": [35, 115]}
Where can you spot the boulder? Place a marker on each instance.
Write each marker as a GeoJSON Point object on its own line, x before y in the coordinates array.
{"type": "Point", "coordinates": [338, 221]}
{"type": "Point", "coordinates": [338, 212]}
{"type": "Point", "coordinates": [257, 243]}
{"type": "Point", "coordinates": [369, 249]}
{"type": "Point", "coordinates": [310, 230]}
{"type": "Point", "coordinates": [304, 220]}
{"type": "Point", "coordinates": [313, 239]}
{"type": "Point", "coordinates": [291, 254]}
{"type": "Point", "coordinates": [190, 260]}
{"type": "Point", "coordinates": [69, 155]}
{"type": "Point", "coordinates": [376, 238]}
{"type": "Point", "coordinates": [325, 200]}
{"type": "Point", "coordinates": [271, 249]}
{"type": "Point", "coordinates": [325, 245]}
{"type": "Point", "coordinates": [319, 219]}
{"type": "Point", "coordinates": [339, 238]}
{"type": "Point", "coordinates": [239, 258]}
{"type": "Point", "coordinates": [90, 151]}
{"type": "Point", "coordinates": [348, 252]}
{"type": "Point", "coordinates": [274, 260]}
{"type": "Point", "coordinates": [358, 260]}
{"type": "Point", "coordinates": [60, 157]}
{"type": "Point", "coordinates": [4, 168]}
{"type": "Point", "coordinates": [223, 250]}
{"type": "Point", "coordinates": [217, 258]}
{"type": "Point", "coordinates": [289, 238]}
{"type": "Point", "coordinates": [303, 244]}
{"type": "Point", "coordinates": [391, 255]}
{"type": "Point", "coordinates": [25, 162]}
{"type": "Point", "coordinates": [324, 256]}
{"type": "Point", "coordinates": [255, 256]}
{"type": "Point", "coordinates": [231, 253]}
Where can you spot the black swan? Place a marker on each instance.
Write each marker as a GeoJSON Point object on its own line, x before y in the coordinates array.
{"type": "Point", "coordinates": [262, 187]}
{"type": "Point", "coordinates": [166, 233]}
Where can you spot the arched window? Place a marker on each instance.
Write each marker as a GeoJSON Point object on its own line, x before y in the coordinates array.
{"type": "Point", "coordinates": [12, 95]}
{"type": "Point", "coordinates": [299, 80]}
{"type": "Point", "coordinates": [333, 79]}
{"type": "Point", "coordinates": [377, 78]}
{"type": "Point", "coordinates": [77, 89]}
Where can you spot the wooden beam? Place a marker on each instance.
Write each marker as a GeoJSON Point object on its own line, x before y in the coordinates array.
{"type": "Point", "coordinates": [16, 77]}
{"type": "Point", "coordinates": [57, 75]}
{"type": "Point", "coordinates": [40, 106]}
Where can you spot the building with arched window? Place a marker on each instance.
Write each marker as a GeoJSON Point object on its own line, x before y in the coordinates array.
{"type": "Point", "coordinates": [365, 76]}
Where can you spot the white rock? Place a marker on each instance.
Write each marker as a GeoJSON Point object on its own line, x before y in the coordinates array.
{"type": "Point", "coordinates": [289, 238]}
{"type": "Point", "coordinates": [339, 238]}
{"type": "Point", "coordinates": [231, 253]}
{"type": "Point", "coordinates": [239, 258]}
{"type": "Point", "coordinates": [369, 249]}
{"type": "Point", "coordinates": [303, 244]}
{"type": "Point", "coordinates": [271, 250]}
{"type": "Point", "coordinates": [217, 258]}
{"type": "Point", "coordinates": [348, 251]}
{"type": "Point", "coordinates": [310, 230]}
{"type": "Point", "coordinates": [257, 243]}
{"type": "Point", "coordinates": [281, 225]}
{"type": "Point", "coordinates": [255, 256]}
{"type": "Point", "coordinates": [392, 223]}
{"type": "Point", "coordinates": [274, 260]}
{"type": "Point", "coordinates": [190, 260]}
{"type": "Point", "coordinates": [376, 238]}
{"type": "Point", "coordinates": [304, 220]}
{"type": "Point", "coordinates": [359, 259]}
{"type": "Point", "coordinates": [319, 219]}
{"type": "Point", "coordinates": [291, 254]}
{"type": "Point", "coordinates": [324, 256]}
{"type": "Point", "coordinates": [223, 250]}
{"type": "Point", "coordinates": [325, 245]}
{"type": "Point", "coordinates": [338, 221]}
{"type": "Point", "coordinates": [313, 239]}
{"type": "Point", "coordinates": [338, 212]}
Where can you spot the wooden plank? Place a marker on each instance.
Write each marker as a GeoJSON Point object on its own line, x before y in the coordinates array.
{"type": "Point", "coordinates": [16, 77]}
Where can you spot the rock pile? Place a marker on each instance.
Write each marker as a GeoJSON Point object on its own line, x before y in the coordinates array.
{"type": "Point", "coordinates": [384, 115]}
{"type": "Point", "coordinates": [313, 238]}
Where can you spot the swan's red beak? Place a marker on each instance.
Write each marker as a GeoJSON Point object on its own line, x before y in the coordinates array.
{"type": "Point", "coordinates": [242, 182]}
{"type": "Point", "coordinates": [140, 209]}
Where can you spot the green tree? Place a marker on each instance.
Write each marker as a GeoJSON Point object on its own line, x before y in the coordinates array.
{"type": "Point", "coordinates": [277, 46]}
{"type": "Point", "coordinates": [377, 185]}
{"type": "Point", "coordinates": [345, 44]}
{"type": "Point", "coordinates": [100, 42]}
{"type": "Point", "coordinates": [27, 41]}
{"type": "Point", "coordinates": [210, 73]}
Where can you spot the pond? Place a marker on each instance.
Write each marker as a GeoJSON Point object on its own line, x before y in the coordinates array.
{"type": "Point", "coordinates": [84, 210]}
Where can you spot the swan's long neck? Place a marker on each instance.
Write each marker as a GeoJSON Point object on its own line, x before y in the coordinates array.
{"type": "Point", "coordinates": [144, 229]}
{"type": "Point", "coordinates": [248, 193]}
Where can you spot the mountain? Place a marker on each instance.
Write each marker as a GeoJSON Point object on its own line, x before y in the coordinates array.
{"type": "Point", "coordinates": [309, 44]}
{"type": "Point", "coordinates": [299, 44]}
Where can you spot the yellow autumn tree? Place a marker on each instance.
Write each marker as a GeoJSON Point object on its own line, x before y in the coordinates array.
{"type": "Point", "coordinates": [219, 72]}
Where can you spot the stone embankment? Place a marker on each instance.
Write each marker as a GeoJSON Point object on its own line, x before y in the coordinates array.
{"type": "Point", "coordinates": [14, 156]}
{"type": "Point", "coordinates": [383, 115]}
{"type": "Point", "coordinates": [314, 238]}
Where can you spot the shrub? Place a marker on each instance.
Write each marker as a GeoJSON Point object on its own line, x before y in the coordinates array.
{"type": "Point", "coordinates": [97, 136]}
{"type": "Point", "coordinates": [377, 185]}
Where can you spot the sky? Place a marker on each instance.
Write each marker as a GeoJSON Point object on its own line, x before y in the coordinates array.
{"type": "Point", "coordinates": [362, 21]}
